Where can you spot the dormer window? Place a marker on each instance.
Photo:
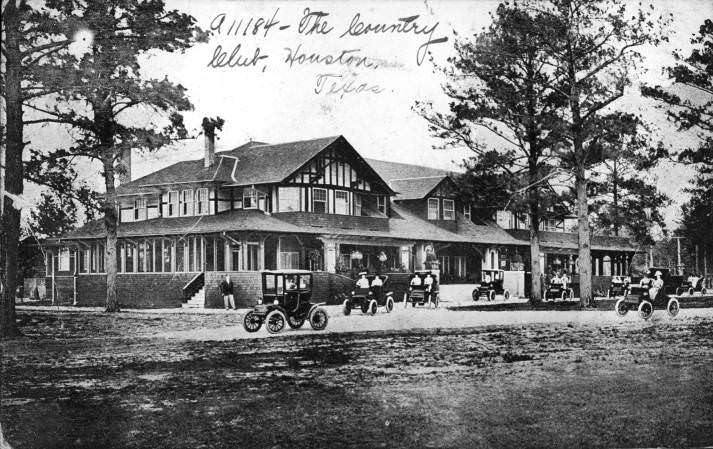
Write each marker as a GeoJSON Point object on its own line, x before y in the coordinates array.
{"type": "Point", "coordinates": [186, 202]}
{"type": "Point", "coordinates": [173, 203]}
{"type": "Point", "coordinates": [449, 210]}
{"type": "Point", "coordinates": [140, 209]}
{"type": "Point", "coordinates": [202, 202]}
{"type": "Point", "coordinates": [433, 209]}
{"type": "Point", "coordinates": [319, 201]}
{"type": "Point", "coordinates": [381, 204]}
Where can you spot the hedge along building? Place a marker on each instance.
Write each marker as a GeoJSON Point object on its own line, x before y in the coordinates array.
{"type": "Point", "coordinates": [313, 204]}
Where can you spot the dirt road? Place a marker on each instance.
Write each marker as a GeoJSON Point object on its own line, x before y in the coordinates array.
{"type": "Point", "coordinates": [574, 379]}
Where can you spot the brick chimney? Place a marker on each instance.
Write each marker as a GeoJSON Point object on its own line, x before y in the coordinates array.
{"type": "Point", "coordinates": [209, 126]}
{"type": "Point", "coordinates": [124, 167]}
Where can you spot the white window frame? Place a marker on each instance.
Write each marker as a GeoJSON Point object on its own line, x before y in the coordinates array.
{"type": "Point", "coordinates": [346, 202]}
{"type": "Point", "coordinates": [437, 209]}
{"type": "Point", "coordinates": [140, 205]}
{"type": "Point", "coordinates": [467, 211]}
{"type": "Point", "coordinates": [253, 195]}
{"type": "Point", "coordinates": [185, 202]}
{"type": "Point", "coordinates": [326, 203]}
{"type": "Point", "coordinates": [357, 205]}
{"type": "Point", "coordinates": [284, 193]}
{"type": "Point", "coordinates": [202, 206]}
{"type": "Point", "coordinates": [449, 209]}
{"type": "Point", "coordinates": [63, 259]}
{"type": "Point", "coordinates": [381, 204]}
{"type": "Point", "coordinates": [173, 205]}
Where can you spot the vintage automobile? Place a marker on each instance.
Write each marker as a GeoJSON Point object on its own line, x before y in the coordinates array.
{"type": "Point", "coordinates": [691, 284]}
{"type": "Point", "coordinates": [556, 290]}
{"type": "Point", "coordinates": [491, 284]}
{"type": "Point", "coordinates": [638, 296]}
{"type": "Point", "coordinates": [423, 289]}
{"type": "Point", "coordinates": [286, 296]}
{"type": "Point", "coordinates": [618, 286]}
{"type": "Point", "coordinates": [368, 297]}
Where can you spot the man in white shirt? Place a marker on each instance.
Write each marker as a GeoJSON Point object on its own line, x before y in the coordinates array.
{"type": "Point", "coordinates": [377, 282]}
{"type": "Point", "coordinates": [363, 282]}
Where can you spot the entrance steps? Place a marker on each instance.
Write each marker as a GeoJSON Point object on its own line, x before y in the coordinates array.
{"type": "Point", "coordinates": [197, 301]}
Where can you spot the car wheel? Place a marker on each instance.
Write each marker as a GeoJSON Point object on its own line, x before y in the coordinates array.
{"type": "Point", "coordinates": [252, 322]}
{"type": "Point", "coordinates": [294, 322]}
{"type": "Point", "coordinates": [475, 295]}
{"type": "Point", "coordinates": [364, 306]}
{"type": "Point", "coordinates": [318, 320]}
{"type": "Point", "coordinates": [621, 308]}
{"type": "Point", "coordinates": [347, 307]}
{"type": "Point", "coordinates": [506, 295]}
{"type": "Point", "coordinates": [275, 322]}
{"type": "Point", "coordinates": [491, 295]}
{"type": "Point", "coordinates": [646, 309]}
{"type": "Point", "coordinates": [673, 307]}
{"type": "Point", "coordinates": [703, 291]}
{"type": "Point", "coordinates": [679, 291]}
{"type": "Point", "coordinates": [373, 306]}
{"type": "Point", "coordinates": [690, 292]}
{"type": "Point", "coordinates": [389, 304]}
{"type": "Point", "coordinates": [564, 296]}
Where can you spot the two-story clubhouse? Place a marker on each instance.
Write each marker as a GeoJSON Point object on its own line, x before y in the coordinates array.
{"type": "Point", "coordinates": [314, 204]}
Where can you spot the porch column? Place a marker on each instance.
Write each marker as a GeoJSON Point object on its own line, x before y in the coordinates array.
{"type": "Point", "coordinates": [420, 256]}
{"type": "Point", "coordinates": [330, 254]}
{"type": "Point", "coordinates": [406, 253]}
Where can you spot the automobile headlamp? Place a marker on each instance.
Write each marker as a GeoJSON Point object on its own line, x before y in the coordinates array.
{"type": "Point", "coordinates": [276, 302]}
{"type": "Point", "coordinates": [352, 292]}
{"type": "Point", "coordinates": [259, 301]}
{"type": "Point", "coordinates": [370, 292]}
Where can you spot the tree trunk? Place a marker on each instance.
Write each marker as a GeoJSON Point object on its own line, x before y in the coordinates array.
{"type": "Point", "coordinates": [585, 255]}
{"type": "Point", "coordinates": [10, 229]}
{"type": "Point", "coordinates": [110, 226]}
{"type": "Point", "coordinates": [615, 187]}
{"type": "Point", "coordinates": [534, 213]}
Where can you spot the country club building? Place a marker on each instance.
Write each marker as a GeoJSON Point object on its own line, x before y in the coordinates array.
{"type": "Point", "coordinates": [314, 204]}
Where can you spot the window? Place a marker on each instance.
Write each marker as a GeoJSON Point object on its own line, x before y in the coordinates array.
{"type": "Point", "coordinates": [140, 209]}
{"type": "Point", "coordinates": [252, 261]}
{"type": "Point", "coordinates": [186, 202]}
{"type": "Point", "coordinates": [341, 202]}
{"type": "Point", "coordinates": [63, 260]}
{"type": "Point", "coordinates": [249, 199]}
{"type": "Point", "coordinates": [288, 199]}
{"type": "Point", "coordinates": [460, 271]}
{"type": "Point", "coordinates": [129, 258]}
{"type": "Point", "coordinates": [381, 204]}
{"type": "Point", "coordinates": [219, 255]}
{"type": "Point", "coordinates": [140, 257]}
{"type": "Point", "coordinates": [167, 256]}
{"type": "Point", "coordinates": [173, 203]}
{"type": "Point", "coordinates": [202, 207]}
{"type": "Point", "coordinates": [433, 209]}
{"type": "Point", "coordinates": [319, 201]}
{"type": "Point", "coordinates": [357, 205]}
{"type": "Point", "coordinates": [157, 255]}
{"type": "Point", "coordinates": [466, 211]}
{"type": "Point", "coordinates": [445, 264]}
{"type": "Point", "coordinates": [449, 210]}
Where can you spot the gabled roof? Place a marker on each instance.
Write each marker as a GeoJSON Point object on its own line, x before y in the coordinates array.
{"type": "Point", "coordinates": [416, 188]}
{"type": "Point", "coordinates": [411, 182]}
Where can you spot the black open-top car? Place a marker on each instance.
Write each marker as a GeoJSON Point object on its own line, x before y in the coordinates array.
{"type": "Point", "coordinates": [557, 290]}
{"type": "Point", "coordinates": [690, 285]}
{"type": "Point", "coordinates": [370, 292]}
{"type": "Point", "coordinates": [638, 296]}
{"type": "Point", "coordinates": [491, 284]}
{"type": "Point", "coordinates": [286, 299]}
{"type": "Point", "coordinates": [618, 286]}
{"type": "Point", "coordinates": [423, 289]}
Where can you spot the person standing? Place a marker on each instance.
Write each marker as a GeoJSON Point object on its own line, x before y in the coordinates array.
{"type": "Point", "coordinates": [226, 289]}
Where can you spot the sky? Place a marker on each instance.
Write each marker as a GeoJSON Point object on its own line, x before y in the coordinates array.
{"type": "Point", "coordinates": [273, 99]}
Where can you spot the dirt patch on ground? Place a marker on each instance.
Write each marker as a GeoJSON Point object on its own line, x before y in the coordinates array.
{"type": "Point", "coordinates": [95, 380]}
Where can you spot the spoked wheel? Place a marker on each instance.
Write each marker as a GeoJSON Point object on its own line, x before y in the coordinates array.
{"type": "Point", "coordinates": [672, 307]}
{"type": "Point", "coordinates": [275, 322]}
{"type": "Point", "coordinates": [690, 292]}
{"type": "Point", "coordinates": [373, 306]}
{"type": "Point", "coordinates": [364, 306]}
{"type": "Point", "coordinates": [475, 295]}
{"type": "Point", "coordinates": [318, 319]}
{"type": "Point", "coordinates": [621, 308]}
{"type": "Point", "coordinates": [294, 322]}
{"type": "Point", "coordinates": [347, 307]}
{"type": "Point", "coordinates": [646, 309]}
{"type": "Point", "coordinates": [564, 296]}
{"type": "Point", "coordinates": [491, 295]}
{"type": "Point", "coordinates": [703, 291]}
{"type": "Point", "coordinates": [506, 295]}
{"type": "Point", "coordinates": [679, 291]}
{"type": "Point", "coordinates": [252, 322]}
{"type": "Point", "coordinates": [389, 304]}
